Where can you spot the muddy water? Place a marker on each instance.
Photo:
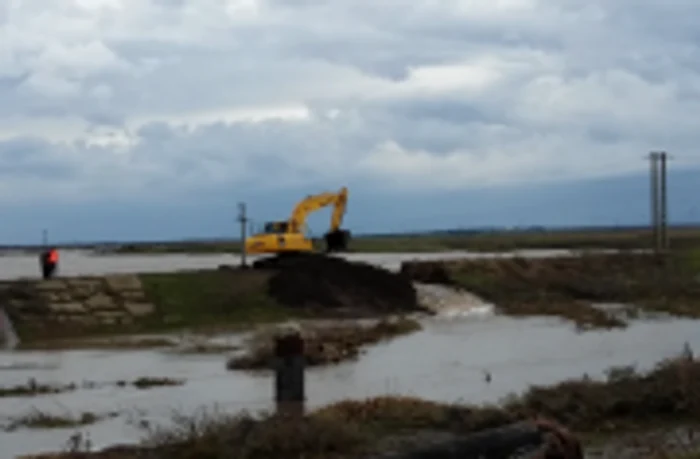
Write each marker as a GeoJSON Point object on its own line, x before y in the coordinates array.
{"type": "Point", "coordinates": [87, 263]}
{"type": "Point", "coordinates": [446, 361]}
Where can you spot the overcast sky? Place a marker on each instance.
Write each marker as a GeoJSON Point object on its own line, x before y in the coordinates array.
{"type": "Point", "coordinates": [153, 112]}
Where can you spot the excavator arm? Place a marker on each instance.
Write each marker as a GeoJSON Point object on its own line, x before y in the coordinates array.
{"type": "Point", "coordinates": [336, 239]}
{"type": "Point", "coordinates": [315, 202]}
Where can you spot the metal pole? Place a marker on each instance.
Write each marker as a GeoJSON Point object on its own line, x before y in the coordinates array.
{"type": "Point", "coordinates": [663, 203]}
{"type": "Point", "coordinates": [243, 219]}
{"type": "Point", "coordinates": [654, 169]}
{"type": "Point", "coordinates": [45, 237]}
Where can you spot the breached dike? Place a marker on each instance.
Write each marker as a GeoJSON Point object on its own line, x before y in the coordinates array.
{"type": "Point", "coordinates": [446, 301]}
{"type": "Point", "coordinates": [8, 335]}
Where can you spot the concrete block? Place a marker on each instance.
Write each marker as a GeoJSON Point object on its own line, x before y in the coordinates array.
{"type": "Point", "coordinates": [100, 302]}
{"type": "Point", "coordinates": [51, 285]}
{"type": "Point", "coordinates": [140, 309]}
{"type": "Point", "coordinates": [67, 308]}
{"type": "Point", "coordinates": [122, 282]}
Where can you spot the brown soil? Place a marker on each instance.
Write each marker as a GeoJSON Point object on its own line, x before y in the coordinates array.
{"type": "Point", "coordinates": [317, 281]}
{"type": "Point", "coordinates": [566, 286]}
{"type": "Point", "coordinates": [324, 345]}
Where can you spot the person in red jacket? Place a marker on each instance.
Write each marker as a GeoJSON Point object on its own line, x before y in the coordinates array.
{"type": "Point", "coordinates": [49, 262]}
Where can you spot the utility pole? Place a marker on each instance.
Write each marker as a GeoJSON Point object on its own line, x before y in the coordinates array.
{"type": "Point", "coordinates": [663, 212]}
{"type": "Point", "coordinates": [45, 237]}
{"type": "Point", "coordinates": [654, 188]}
{"type": "Point", "coordinates": [659, 200]}
{"type": "Point", "coordinates": [243, 220]}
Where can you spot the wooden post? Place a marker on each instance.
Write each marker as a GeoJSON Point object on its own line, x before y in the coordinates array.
{"type": "Point", "coordinates": [289, 374]}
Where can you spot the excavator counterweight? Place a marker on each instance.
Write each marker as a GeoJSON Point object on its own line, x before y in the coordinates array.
{"type": "Point", "coordinates": [287, 237]}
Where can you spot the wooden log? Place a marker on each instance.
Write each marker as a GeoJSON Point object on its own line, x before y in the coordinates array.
{"type": "Point", "coordinates": [537, 439]}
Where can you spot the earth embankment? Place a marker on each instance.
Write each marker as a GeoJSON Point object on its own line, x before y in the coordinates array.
{"type": "Point", "coordinates": [318, 281]}
{"type": "Point", "coordinates": [305, 287]}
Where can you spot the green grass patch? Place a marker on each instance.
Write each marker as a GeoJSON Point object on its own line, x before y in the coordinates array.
{"type": "Point", "coordinates": [212, 298]}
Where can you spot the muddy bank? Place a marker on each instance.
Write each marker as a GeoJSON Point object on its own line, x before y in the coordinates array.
{"type": "Point", "coordinates": [626, 401]}
{"type": "Point", "coordinates": [569, 286]}
{"type": "Point", "coordinates": [211, 300]}
{"type": "Point", "coordinates": [321, 282]}
{"type": "Point", "coordinates": [323, 345]}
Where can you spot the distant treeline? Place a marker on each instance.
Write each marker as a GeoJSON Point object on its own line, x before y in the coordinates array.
{"type": "Point", "coordinates": [455, 232]}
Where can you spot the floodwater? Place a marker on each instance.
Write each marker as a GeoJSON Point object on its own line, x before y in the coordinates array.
{"type": "Point", "coordinates": [445, 362]}
{"type": "Point", "coordinates": [75, 262]}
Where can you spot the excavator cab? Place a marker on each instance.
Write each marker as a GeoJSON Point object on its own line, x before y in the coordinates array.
{"type": "Point", "coordinates": [276, 238]}
{"type": "Point", "coordinates": [276, 227]}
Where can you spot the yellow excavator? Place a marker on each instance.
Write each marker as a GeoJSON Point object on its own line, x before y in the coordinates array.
{"type": "Point", "coordinates": [287, 237]}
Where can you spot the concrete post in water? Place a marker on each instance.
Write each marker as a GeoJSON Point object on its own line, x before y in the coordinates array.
{"type": "Point", "coordinates": [243, 219]}
{"type": "Point", "coordinates": [289, 374]}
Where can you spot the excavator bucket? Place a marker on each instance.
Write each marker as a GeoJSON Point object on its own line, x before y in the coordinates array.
{"type": "Point", "coordinates": [337, 241]}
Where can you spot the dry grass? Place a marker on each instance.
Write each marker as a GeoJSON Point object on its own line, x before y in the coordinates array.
{"type": "Point", "coordinates": [36, 419]}
{"type": "Point", "coordinates": [149, 382]}
{"type": "Point", "coordinates": [32, 389]}
{"type": "Point", "coordinates": [324, 345]}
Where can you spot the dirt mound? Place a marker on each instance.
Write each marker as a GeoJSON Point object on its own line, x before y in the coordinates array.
{"type": "Point", "coordinates": [323, 345]}
{"type": "Point", "coordinates": [319, 281]}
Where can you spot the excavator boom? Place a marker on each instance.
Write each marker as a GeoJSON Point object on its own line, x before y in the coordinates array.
{"type": "Point", "coordinates": [313, 203]}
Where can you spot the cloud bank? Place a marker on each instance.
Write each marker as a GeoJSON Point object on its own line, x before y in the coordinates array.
{"type": "Point", "coordinates": [156, 98]}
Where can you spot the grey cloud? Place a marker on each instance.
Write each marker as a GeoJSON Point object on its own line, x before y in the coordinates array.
{"type": "Point", "coordinates": [33, 158]}
{"type": "Point", "coordinates": [578, 78]}
{"type": "Point", "coordinates": [10, 83]}
{"type": "Point", "coordinates": [105, 118]}
{"type": "Point", "coordinates": [169, 3]}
